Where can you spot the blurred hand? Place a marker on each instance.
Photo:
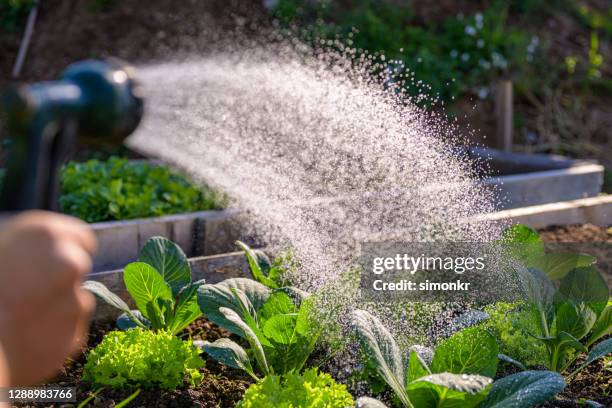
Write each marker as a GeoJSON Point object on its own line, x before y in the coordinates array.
{"type": "Point", "coordinates": [44, 313]}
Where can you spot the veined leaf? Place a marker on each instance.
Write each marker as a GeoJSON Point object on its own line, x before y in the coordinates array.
{"type": "Point", "coordinates": [585, 285]}
{"type": "Point", "coordinates": [537, 288]}
{"type": "Point", "coordinates": [446, 390]}
{"type": "Point", "coordinates": [380, 346]}
{"type": "Point", "coordinates": [169, 260]}
{"type": "Point", "coordinates": [231, 354]}
{"type": "Point", "coordinates": [576, 320]}
{"type": "Point", "coordinates": [524, 390]}
{"type": "Point", "coordinates": [277, 303]}
{"type": "Point", "coordinates": [250, 336]}
{"type": "Point", "coordinates": [281, 328]}
{"type": "Point", "coordinates": [557, 265]}
{"type": "Point", "coordinates": [228, 294]}
{"type": "Point", "coordinates": [146, 286]}
{"type": "Point", "coordinates": [105, 294]}
{"type": "Point", "coordinates": [470, 351]}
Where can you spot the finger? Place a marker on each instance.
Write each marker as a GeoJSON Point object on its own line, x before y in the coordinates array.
{"type": "Point", "coordinates": [63, 225]}
{"type": "Point", "coordinates": [70, 262]}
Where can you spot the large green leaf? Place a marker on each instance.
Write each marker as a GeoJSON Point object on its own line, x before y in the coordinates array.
{"type": "Point", "coordinates": [146, 286]}
{"type": "Point", "coordinates": [524, 390]}
{"type": "Point", "coordinates": [278, 303]}
{"type": "Point", "coordinates": [470, 351]}
{"type": "Point", "coordinates": [575, 319]}
{"type": "Point", "coordinates": [250, 337]}
{"type": "Point", "coordinates": [233, 294]}
{"type": "Point", "coordinates": [557, 265]}
{"type": "Point", "coordinates": [603, 326]}
{"type": "Point", "coordinates": [281, 328]}
{"type": "Point", "coordinates": [446, 390]}
{"type": "Point", "coordinates": [105, 294]}
{"type": "Point", "coordinates": [537, 288]}
{"type": "Point", "coordinates": [380, 346]}
{"type": "Point", "coordinates": [169, 260]}
{"type": "Point", "coordinates": [231, 354]}
{"type": "Point", "coordinates": [585, 285]}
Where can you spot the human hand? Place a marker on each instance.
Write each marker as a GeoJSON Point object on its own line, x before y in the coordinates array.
{"type": "Point", "coordinates": [44, 312]}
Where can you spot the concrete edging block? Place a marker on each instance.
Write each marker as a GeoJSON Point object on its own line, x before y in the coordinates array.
{"type": "Point", "coordinates": [593, 210]}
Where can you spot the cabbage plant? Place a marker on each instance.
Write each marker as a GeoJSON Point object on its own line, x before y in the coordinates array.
{"type": "Point", "coordinates": [277, 324]}
{"type": "Point", "coordinates": [569, 297]}
{"type": "Point", "coordinates": [161, 286]}
{"type": "Point", "coordinates": [459, 373]}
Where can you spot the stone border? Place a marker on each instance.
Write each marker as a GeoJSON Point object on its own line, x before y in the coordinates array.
{"type": "Point", "coordinates": [543, 187]}
{"type": "Point", "coordinates": [198, 233]}
{"type": "Point", "coordinates": [213, 268]}
{"type": "Point", "coordinates": [594, 210]}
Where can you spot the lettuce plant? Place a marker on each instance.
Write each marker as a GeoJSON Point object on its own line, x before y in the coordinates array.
{"type": "Point", "coordinates": [570, 302]}
{"type": "Point", "coordinates": [270, 273]}
{"type": "Point", "coordinates": [277, 324]}
{"type": "Point", "coordinates": [459, 373]}
{"type": "Point", "coordinates": [161, 286]}
{"type": "Point", "coordinates": [310, 389]}
{"type": "Point", "coordinates": [508, 323]}
{"type": "Point", "coordinates": [117, 189]}
{"type": "Point", "coordinates": [139, 357]}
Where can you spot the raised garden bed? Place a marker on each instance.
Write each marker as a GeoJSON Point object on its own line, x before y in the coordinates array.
{"type": "Point", "coordinates": [524, 180]}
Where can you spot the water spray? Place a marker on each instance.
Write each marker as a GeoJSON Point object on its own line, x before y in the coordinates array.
{"type": "Point", "coordinates": [93, 99]}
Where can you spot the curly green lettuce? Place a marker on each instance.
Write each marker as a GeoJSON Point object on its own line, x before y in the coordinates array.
{"type": "Point", "coordinates": [143, 358]}
{"type": "Point", "coordinates": [308, 390]}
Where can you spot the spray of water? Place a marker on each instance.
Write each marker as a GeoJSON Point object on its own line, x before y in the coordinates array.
{"type": "Point", "coordinates": [321, 153]}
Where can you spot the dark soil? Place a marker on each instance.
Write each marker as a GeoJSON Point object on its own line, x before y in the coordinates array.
{"type": "Point", "coordinates": [577, 233]}
{"type": "Point", "coordinates": [222, 386]}
{"type": "Point", "coordinates": [587, 238]}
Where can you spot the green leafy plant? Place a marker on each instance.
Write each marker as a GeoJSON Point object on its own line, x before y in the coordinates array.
{"type": "Point", "coordinates": [447, 58]}
{"type": "Point", "coordinates": [459, 373]}
{"type": "Point", "coordinates": [161, 286]}
{"type": "Point", "coordinates": [570, 301]}
{"type": "Point", "coordinates": [276, 323]}
{"type": "Point", "coordinates": [308, 390]}
{"type": "Point", "coordinates": [143, 358]}
{"type": "Point", "coordinates": [118, 189]}
{"type": "Point", "coordinates": [273, 273]}
{"type": "Point", "coordinates": [526, 245]}
{"type": "Point", "coordinates": [508, 323]}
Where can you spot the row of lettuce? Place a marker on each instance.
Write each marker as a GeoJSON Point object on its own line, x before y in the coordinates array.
{"type": "Point", "coordinates": [121, 189]}
{"type": "Point", "coordinates": [277, 330]}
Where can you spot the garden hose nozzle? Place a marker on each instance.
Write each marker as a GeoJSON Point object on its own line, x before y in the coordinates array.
{"type": "Point", "coordinates": [42, 121]}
